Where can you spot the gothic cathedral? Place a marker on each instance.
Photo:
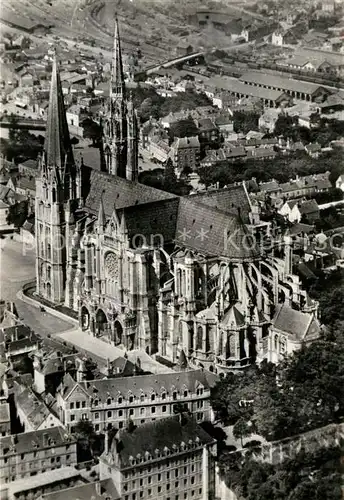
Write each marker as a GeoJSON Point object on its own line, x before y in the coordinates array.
{"type": "Point", "coordinates": [144, 269]}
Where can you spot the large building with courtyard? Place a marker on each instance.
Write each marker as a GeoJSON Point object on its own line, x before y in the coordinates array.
{"type": "Point", "coordinates": [146, 269]}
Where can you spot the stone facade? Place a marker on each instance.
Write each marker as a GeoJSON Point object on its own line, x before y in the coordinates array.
{"type": "Point", "coordinates": [148, 270]}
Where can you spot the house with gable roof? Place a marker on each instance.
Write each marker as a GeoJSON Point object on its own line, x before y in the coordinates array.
{"type": "Point", "coordinates": [290, 329]}
{"type": "Point", "coordinates": [139, 398]}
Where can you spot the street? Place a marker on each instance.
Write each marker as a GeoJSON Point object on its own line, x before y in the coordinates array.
{"type": "Point", "coordinates": [17, 267]}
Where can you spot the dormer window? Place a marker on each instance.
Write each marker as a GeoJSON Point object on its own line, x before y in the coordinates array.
{"type": "Point", "coordinates": [108, 401]}
{"type": "Point", "coordinates": [185, 394]}
{"type": "Point", "coordinates": [153, 397]}
{"type": "Point", "coordinates": [174, 394]}
{"type": "Point", "coordinates": [120, 400]}
{"type": "Point", "coordinates": [142, 397]}
{"type": "Point", "coordinates": [131, 399]}
{"type": "Point", "coordinates": [96, 402]}
{"type": "Point", "coordinates": [163, 395]}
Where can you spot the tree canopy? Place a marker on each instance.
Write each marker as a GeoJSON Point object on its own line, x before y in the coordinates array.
{"type": "Point", "coordinates": [308, 392]}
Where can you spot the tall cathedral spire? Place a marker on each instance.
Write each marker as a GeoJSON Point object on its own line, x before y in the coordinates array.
{"type": "Point", "coordinates": [117, 74]}
{"type": "Point", "coordinates": [57, 147]}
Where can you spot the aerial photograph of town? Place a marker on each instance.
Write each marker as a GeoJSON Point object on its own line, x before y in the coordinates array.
{"type": "Point", "coordinates": [172, 250]}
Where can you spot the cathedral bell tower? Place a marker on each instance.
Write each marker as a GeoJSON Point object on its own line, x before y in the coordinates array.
{"type": "Point", "coordinates": [119, 124]}
{"type": "Point", "coordinates": [58, 191]}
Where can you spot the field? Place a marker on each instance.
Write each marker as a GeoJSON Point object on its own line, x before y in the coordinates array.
{"type": "Point", "coordinates": [155, 26]}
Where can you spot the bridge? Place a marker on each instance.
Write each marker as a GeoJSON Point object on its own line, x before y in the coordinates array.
{"type": "Point", "coordinates": [22, 124]}
{"type": "Point", "coordinates": [171, 62]}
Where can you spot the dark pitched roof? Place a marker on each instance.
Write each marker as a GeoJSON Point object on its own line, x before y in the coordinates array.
{"type": "Point", "coordinates": [230, 199]}
{"type": "Point", "coordinates": [158, 435]}
{"type": "Point", "coordinates": [213, 232]}
{"type": "Point", "coordinates": [297, 323]}
{"type": "Point", "coordinates": [28, 441]}
{"type": "Point", "coordinates": [96, 491]}
{"type": "Point", "coordinates": [146, 384]}
{"type": "Point", "coordinates": [308, 207]}
{"type": "Point", "coordinates": [117, 191]}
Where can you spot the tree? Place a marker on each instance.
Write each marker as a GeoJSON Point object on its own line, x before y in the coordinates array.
{"type": "Point", "coordinates": [92, 130]}
{"type": "Point", "coordinates": [170, 178]}
{"type": "Point", "coordinates": [241, 429]}
{"type": "Point", "coordinates": [183, 128]}
{"type": "Point", "coordinates": [17, 214]}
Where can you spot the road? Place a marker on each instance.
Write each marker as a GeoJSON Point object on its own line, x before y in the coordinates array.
{"type": "Point", "coordinates": [17, 267]}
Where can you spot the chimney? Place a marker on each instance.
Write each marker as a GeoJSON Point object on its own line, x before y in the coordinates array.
{"type": "Point", "coordinates": [106, 442]}
{"type": "Point", "coordinates": [45, 439]}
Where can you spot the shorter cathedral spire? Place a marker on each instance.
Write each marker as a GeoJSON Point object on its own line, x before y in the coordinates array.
{"type": "Point", "coordinates": [117, 73]}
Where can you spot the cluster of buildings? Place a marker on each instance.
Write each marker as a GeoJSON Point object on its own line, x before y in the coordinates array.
{"type": "Point", "coordinates": [184, 279]}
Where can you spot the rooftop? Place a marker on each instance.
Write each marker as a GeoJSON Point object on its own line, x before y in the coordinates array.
{"type": "Point", "coordinates": [279, 82]}
{"type": "Point", "coordinates": [144, 384]}
{"type": "Point", "coordinates": [28, 441]}
{"type": "Point", "coordinates": [302, 326]}
{"type": "Point", "coordinates": [160, 435]}
{"type": "Point", "coordinates": [94, 491]}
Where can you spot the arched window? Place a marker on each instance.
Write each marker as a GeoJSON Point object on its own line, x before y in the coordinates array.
{"type": "Point", "coordinates": [108, 401]}
{"type": "Point", "coordinates": [120, 400]}
{"type": "Point", "coordinates": [153, 397]}
{"type": "Point", "coordinates": [199, 339]}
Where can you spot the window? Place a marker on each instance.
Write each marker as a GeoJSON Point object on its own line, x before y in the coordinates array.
{"type": "Point", "coordinates": [159, 489]}
{"type": "Point", "coordinates": [84, 416]}
{"type": "Point", "coordinates": [164, 408]}
{"type": "Point", "coordinates": [120, 400]}
{"type": "Point", "coordinates": [159, 477]}
{"type": "Point", "coordinates": [131, 399]}
{"type": "Point", "coordinates": [141, 494]}
{"type": "Point", "coordinates": [185, 470]}
{"type": "Point", "coordinates": [71, 406]}
{"type": "Point", "coordinates": [153, 397]}
{"type": "Point", "coordinates": [72, 418]}
{"type": "Point", "coordinates": [143, 421]}
{"type": "Point", "coordinates": [96, 416]}
{"type": "Point", "coordinates": [193, 480]}
{"type": "Point", "coordinates": [163, 395]}
{"type": "Point", "coordinates": [83, 404]}
{"type": "Point", "coordinates": [176, 484]}
{"type": "Point", "coordinates": [174, 395]}
{"type": "Point", "coordinates": [176, 473]}
{"type": "Point", "coordinates": [131, 411]}
{"type": "Point", "coordinates": [96, 402]}
{"type": "Point", "coordinates": [199, 416]}
{"type": "Point", "coordinates": [109, 414]}
{"type": "Point", "coordinates": [185, 394]}
{"type": "Point", "coordinates": [149, 479]}
{"type": "Point", "coordinates": [193, 493]}
{"type": "Point", "coordinates": [142, 411]}
{"type": "Point", "coordinates": [200, 491]}
{"type": "Point", "coordinates": [108, 401]}
{"type": "Point", "coordinates": [149, 492]}
{"type": "Point", "coordinates": [199, 404]}
{"type": "Point", "coordinates": [141, 482]}
{"type": "Point", "coordinates": [120, 413]}
{"type": "Point", "coordinates": [77, 404]}
{"type": "Point", "coordinates": [167, 486]}
{"type": "Point", "coordinates": [153, 409]}
{"type": "Point", "coordinates": [167, 475]}
{"type": "Point", "coordinates": [120, 425]}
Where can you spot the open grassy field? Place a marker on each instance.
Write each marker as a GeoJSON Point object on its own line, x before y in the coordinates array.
{"type": "Point", "coordinates": [156, 26]}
